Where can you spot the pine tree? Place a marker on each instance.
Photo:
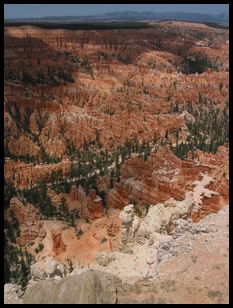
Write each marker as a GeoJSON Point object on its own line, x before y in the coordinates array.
{"type": "Point", "coordinates": [111, 180]}
{"type": "Point", "coordinates": [23, 274]}
{"type": "Point", "coordinates": [72, 221]}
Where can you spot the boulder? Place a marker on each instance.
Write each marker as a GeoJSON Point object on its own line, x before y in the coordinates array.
{"type": "Point", "coordinates": [103, 258]}
{"type": "Point", "coordinates": [40, 293]}
{"type": "Point", "coordinates": [126, 215]}
{"type": "Point", "coordinates": [47, 268]}
{"type": "Point", "coordinates": [150, 260]}
{"type": "Point", "coordinates": [90, 287]}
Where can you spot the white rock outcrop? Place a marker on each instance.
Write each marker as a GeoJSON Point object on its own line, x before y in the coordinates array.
{"type": "Point", "coordinates": [130, 223]}
{"type": "Point", "coordinates": [165, 232]}
{"type": "Point", "coordinates": [103, 258]}
{"type": "Point", "coordinates": [47, 268]}
{"type": "Point", "coordinates": [12, 294]}
{"type": "Point", "coordinates": [159, 219]}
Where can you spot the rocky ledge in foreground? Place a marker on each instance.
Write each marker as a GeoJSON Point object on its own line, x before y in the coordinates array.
{"type": "Point", "coordinates": [90, 287]}
{"type": "Point", "coordinates": [195, 275]}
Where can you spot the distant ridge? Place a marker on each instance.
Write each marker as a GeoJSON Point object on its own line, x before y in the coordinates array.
{"type": "Point", "coordinates": [222, 18]}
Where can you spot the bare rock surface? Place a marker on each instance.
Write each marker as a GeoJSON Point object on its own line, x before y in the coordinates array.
{"type": "Point", "coordinates": [90, 287]}
{"type": "Point", "coordinates": [184, 242]}
{"type": "Point", "coordinates": [12, 294]}
{"type": "Point", "coordinates": [194, 262]}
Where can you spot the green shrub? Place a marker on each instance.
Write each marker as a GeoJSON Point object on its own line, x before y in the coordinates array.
{"type": "Point", "coordinates": [39, 248]}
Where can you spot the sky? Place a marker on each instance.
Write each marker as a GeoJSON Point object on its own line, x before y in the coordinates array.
{"type": "Point", "coordinates": [42, 10]}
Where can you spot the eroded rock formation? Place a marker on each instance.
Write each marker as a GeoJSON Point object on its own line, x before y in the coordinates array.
{"type": "Point", "coordinates": [73, 94]}
{"type": "Point", "coordinates": [29, 220]}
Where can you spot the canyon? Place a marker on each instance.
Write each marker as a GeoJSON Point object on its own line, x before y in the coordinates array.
{"type": "Point", "coordinates": [116, 158]}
